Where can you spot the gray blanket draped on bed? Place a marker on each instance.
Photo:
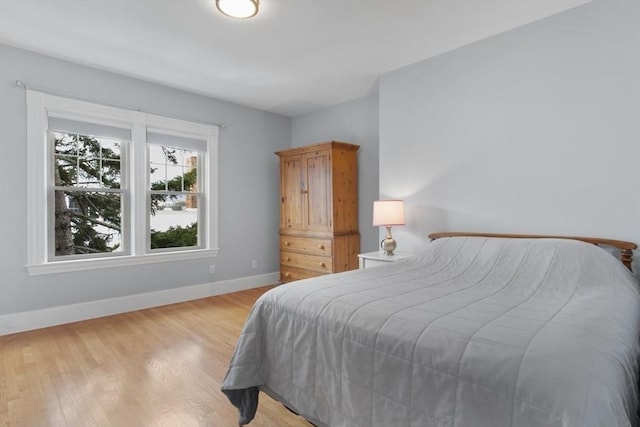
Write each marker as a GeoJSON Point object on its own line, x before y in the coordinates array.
{"type": "Point", "coordinates": [469, 332]}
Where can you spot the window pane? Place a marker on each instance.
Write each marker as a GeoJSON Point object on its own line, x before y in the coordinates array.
{"type": "Point", "coordinates": [173, 169]}
{"type": "Point", "coordinates": [65, 143]}
{"type": "Point", "coordinates": [88, 147]}
{"type": "Point", "coordinates": [65, 170]}
{"type": "Point", "coordinates": [174, 221]}
{"type": "Point", "coordinates": [191, 172]}
{"type": "Point", "coordinates": [110, 148]}
{"type": "Point", "coordinates": [174, 178]}
{"type": "Point", "coordinates": [156, 155]}
{"type": "Point", "coordinates": [157, 176]}
{"type": "Point", "coordinates": [110, 174]}
{"type": "Point", "coordinates": [88, 173]}
{"type": "Point", "coordinates": [88, 162]}
{"type": "Point", "coordinates": [87, 222]}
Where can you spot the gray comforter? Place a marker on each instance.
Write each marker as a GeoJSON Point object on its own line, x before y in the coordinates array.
{"type": "Point", "coordinates": [470, 332]}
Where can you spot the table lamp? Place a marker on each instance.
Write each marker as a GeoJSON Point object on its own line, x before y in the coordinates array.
{"type": "Point", "coordinates": [387, 213]}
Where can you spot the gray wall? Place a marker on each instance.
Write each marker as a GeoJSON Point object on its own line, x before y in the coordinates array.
{"type": "Point", "coordinates": [248, 192]}
{"type": "Point", "coordinates": [355, 122]}
{"type": "Point", "coordinates": [536, 130]}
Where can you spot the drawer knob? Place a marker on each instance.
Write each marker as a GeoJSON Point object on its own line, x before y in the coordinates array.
{"type": "Point", "coordinates": [321, 247]}
{"type": "Point", "coordinates": [288, 259]}
{"type": "Point", "coordinates": [287, 243]}
{"type": "Point", "coordinates": [322, 264]}
{"type": "Point", "coordinates": [287, 274]}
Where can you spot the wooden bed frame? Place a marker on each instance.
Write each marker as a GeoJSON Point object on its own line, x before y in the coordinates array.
{"type": "Point", "coordinates": [626, 248]}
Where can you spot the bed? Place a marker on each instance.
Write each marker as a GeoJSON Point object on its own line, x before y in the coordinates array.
{"type": "Point", "coordinates": [472, 331]}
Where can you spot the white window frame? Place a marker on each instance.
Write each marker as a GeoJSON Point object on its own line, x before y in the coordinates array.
{"type": "Point", "coordinates": [41, 106]}
{"type": "Point", "coordinates": [124, 190]}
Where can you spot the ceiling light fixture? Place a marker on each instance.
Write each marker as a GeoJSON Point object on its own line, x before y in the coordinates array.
{"type": "Point", "coordinates": [240, 9]}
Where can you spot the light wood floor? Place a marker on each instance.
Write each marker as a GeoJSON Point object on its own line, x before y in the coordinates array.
{"type": "Point", "coordinates": [158, 367]}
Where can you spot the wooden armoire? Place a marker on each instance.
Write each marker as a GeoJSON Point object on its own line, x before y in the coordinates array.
{"type": "Point", "coordinates": [318, 210]}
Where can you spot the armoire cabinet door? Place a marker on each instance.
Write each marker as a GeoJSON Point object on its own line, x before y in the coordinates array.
{"type": "Point", "coordinates": [291, 192]}
{"type": "Point", "coordinates": [316, 191]}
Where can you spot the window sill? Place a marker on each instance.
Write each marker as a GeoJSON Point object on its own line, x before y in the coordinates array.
{"type": "Point", "coordinates": [118, 261]}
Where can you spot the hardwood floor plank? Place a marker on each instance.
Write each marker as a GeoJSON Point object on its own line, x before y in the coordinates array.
{"type": "Point", "coordinates": [158, 367]}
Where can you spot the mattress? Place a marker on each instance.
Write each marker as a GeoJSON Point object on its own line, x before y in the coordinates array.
{"type": "Point", "coordinates": [469, 332]}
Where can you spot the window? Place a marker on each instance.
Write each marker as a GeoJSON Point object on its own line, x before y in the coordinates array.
{"type": "Point", "coordinates": [111, 187]}
{"type": "Point", "coordinates": [87, 202]}
{"type": "Point", "coordinates": [173, 195]}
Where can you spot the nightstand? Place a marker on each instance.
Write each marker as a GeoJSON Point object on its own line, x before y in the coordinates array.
{"type": "Point", "coordinates": [371, 259]}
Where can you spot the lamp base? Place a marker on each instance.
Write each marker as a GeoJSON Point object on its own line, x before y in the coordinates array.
{"type": "Point", "coordinates": [388, 244]}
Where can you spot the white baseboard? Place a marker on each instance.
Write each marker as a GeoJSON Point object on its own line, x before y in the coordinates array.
{"type": "Point", "coordinates": [36, 319]}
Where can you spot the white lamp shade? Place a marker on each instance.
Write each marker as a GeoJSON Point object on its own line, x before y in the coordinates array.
{"type": "Point", "coordinates": [388, 212]}
{"type": "Point", "coordinates": [240, 9]}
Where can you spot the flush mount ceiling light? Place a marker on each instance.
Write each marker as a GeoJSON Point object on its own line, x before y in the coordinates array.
{"type": "Point", "coordinates": [240, 9]}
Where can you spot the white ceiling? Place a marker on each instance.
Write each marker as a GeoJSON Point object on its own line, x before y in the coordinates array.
{"type": "Point", "coordinates": [295, 57]}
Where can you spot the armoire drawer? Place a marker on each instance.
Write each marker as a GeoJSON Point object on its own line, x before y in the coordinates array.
{"type": "Point", "coordinates": [289, 274]}
{"type": "Point", "coordinates": [313, 262]}
{"type": "Point", "coordinates": [306, 244]}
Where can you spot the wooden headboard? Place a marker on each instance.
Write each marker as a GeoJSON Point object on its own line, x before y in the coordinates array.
{"type": "Point", "coordinates": [626, 248]}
